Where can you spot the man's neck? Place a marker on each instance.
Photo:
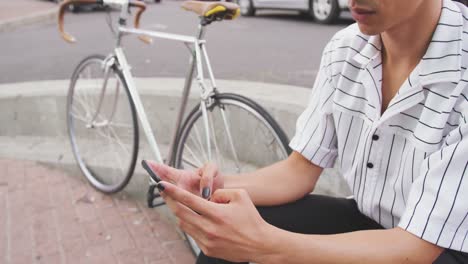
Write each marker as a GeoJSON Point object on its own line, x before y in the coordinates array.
{"type": "Point", "coordinates": [406, 44]}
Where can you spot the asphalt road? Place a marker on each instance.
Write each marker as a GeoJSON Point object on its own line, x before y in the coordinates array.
{"type": "Point", "coordinates": [275, 47]}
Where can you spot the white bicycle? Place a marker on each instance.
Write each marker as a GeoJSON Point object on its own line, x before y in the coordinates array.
{"type": "Point", "coordinates": [104, 110]}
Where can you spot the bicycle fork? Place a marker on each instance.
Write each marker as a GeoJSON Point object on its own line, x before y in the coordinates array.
{"type": "Point", "coordinates": [108, 63]}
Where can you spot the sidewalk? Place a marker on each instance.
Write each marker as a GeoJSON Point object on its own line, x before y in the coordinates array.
{"type": "Point", "coordinates": [47, 216]}
{"type": "Point", "coordinates": [15, 13]}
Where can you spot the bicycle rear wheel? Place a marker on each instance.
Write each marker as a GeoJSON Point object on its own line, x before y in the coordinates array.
{"type": "Point", "coordinates": [256, 138]}
{"type": "Point", "coordinates": [102, 125]}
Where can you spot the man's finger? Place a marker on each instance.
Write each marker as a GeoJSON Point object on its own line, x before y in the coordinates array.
{"type": "Point", "coordinates": [181, 211]}
{"type": "Point", "coordinates": [188, 199]}
{"type": "Point", "coordinates": [166, 173]}
{"type": "Point", "coordinates": [207, 177]}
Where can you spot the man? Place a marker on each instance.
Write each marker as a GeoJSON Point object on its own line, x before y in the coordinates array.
{"type": "Point", "coordinates": [389, 106]}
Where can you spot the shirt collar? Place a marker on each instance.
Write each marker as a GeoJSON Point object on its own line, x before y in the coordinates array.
{"type": "Point", "coordinates": [370, 51]}
{"type": "Point", "coordinates": [442, 61]}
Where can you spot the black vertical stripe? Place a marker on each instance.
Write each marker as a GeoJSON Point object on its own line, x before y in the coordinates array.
{"type": "Point", "coordinates": [329, 145]}
{"type": "Point", "coordinates": [402, 179]}
{"type": "Point", "coordinates": [394, 185]}
{"type": "Point", "coordinates": [354, 157]}
{"type": "Point", "coordinates": [365, 173]}
{"type": "Point", "coordinates": [329, 160]}
{"type": "Point", "coordinates": [385, 180]}
{"type": "Point", "coordinates": [453, 204]}
{"type": "Point", "coordinates": [323, 137]}
{"type": "Point", "coordinates": [422, 192]}
{"type": "Point", "coordinates": [310, 117]}
{"type": "Point", "coordinates": [310, 138]}
{"type": "Point", "coordinates": [346, 140]}
{"type": "Point", "coordinates": [412, 166]}
{"type": "Point", "coordinates": [324, 156]}
{"type": "Point", "coordinates": [438, 191]}
{"type": "Point", "coordinates": [339, 122]}
{"type": "Point", "coordinates": [456, 231]}
{"type": "Point", "coordinates": [363, 160]}
{"type": "Point", "coordinates": [316, 105]}
{"type": "Point", "coordinates": [464, 239]}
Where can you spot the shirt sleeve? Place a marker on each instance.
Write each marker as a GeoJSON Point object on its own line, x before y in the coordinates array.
{"type": "Point", "coordinates": [437, 206]}
{"type": "Point", "coordinates": [315, 136]}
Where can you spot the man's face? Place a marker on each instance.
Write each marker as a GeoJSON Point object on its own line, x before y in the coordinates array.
{"type": "Point", "coordinates": [376, 16]}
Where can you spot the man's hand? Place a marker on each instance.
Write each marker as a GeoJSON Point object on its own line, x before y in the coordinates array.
{"type": "Point", "coordinates": [201, 182]}
{"type": "Point", "coordinates": [228, 226]}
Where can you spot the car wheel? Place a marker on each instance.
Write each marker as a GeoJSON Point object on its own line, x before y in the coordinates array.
{"type": "Point", "coordinates": [246, 8]}
{"type": "Point", "coordinates": [325, 11]}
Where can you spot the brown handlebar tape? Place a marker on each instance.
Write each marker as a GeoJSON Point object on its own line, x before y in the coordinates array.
{"type": "Point", "coordinates": [69, 38]}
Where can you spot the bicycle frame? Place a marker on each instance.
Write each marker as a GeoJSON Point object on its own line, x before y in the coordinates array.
{"type": "Point", "coordinates": [198, 61]}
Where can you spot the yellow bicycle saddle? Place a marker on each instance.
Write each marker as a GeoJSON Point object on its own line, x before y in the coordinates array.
{"type": "Point", "coordinates": [225, 10]}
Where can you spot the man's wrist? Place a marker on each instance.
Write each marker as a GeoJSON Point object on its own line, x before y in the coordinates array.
{"type": "Point", "coordinates": [269, 246]}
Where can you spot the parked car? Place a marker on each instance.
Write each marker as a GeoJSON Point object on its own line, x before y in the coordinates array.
{"type": "Point", "coordinates": [323, 11]}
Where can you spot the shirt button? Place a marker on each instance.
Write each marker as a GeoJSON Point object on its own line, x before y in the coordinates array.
{"type": "Point", "coordinates": [375, 137]}
{"type": "Point", "coordinates": [370, 165]}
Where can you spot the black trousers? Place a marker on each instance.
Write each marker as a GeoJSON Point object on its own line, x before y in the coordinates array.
{"type": "Point", "coordinates": [316, 214]}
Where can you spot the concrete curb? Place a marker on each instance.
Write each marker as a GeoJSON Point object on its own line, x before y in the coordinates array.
{"type": "Point", "coordinates": [35, 126]}
{"type": "Point", "coordinates": [43, 16]}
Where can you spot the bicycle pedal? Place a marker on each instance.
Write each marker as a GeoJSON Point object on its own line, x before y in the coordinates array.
{"type": "Point", "coordinates": [154, 199]}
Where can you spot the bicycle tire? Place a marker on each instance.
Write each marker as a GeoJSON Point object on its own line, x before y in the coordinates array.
{"type": "Point", "coordinates": [121, 115]}
{"type": "Point", "coordinates": [225, 100]}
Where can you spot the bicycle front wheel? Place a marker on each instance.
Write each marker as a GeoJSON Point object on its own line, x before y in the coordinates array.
{"type": "Point", "coordinates": [243, 136]}
{"type": "Point", "coordinates": [102, 124]}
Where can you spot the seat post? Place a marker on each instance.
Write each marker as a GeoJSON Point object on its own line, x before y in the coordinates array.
{"type": "Point", "coordinates": [201, 28]}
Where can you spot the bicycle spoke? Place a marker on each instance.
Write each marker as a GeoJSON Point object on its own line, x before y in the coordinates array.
{"type": "Point", "coordinates": [81, 102]}
{"type": "Point", "coordinates": [230, 141]}
{"type": "Point", "coordinates": [118, 141]}
{"type": "Point", "coordinates": [241, 137]}
{"type": "Point", "coordinates": [121, 125]}
{"type": "Point", "coordinates": [114, 151]}
{"type": "Point", "coordinates": [103, 127]}
{"type": "Point", "coordinates": [78, 117]}
{"type": "Point", "coordinates": [215, 141]}
{"type": "Point", "coordinates": [200, 144]}
{"type": "Point", "coordinates": [200, 163]}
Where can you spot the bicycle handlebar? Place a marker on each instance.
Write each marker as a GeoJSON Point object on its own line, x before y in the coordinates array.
{"type": "Point", "coordinates": [142, 8]}
{"type": "Point", "coordinates": [69, 38]}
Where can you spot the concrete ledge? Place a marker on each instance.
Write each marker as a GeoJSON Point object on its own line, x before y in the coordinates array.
{"type": "Point", "coordinates": [34, 127]}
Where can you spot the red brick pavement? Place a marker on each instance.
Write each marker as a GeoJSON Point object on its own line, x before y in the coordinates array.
{"type": "Point", "coordinates": [47, 216]}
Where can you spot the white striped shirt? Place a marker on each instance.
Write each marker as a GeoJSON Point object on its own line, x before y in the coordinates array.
{"type": "Point", "coordinates": [406, 167]}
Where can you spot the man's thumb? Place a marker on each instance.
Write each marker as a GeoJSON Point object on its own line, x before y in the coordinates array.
{"type": "Point", "coordinates": [224, 196]}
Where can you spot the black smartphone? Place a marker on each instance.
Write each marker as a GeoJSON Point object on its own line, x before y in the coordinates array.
{"type": "Point", "coordinates": [151, 173]}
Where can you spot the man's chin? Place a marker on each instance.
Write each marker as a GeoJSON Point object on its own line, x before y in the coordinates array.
{"type": "Point", "coordinates": [368, 30]}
